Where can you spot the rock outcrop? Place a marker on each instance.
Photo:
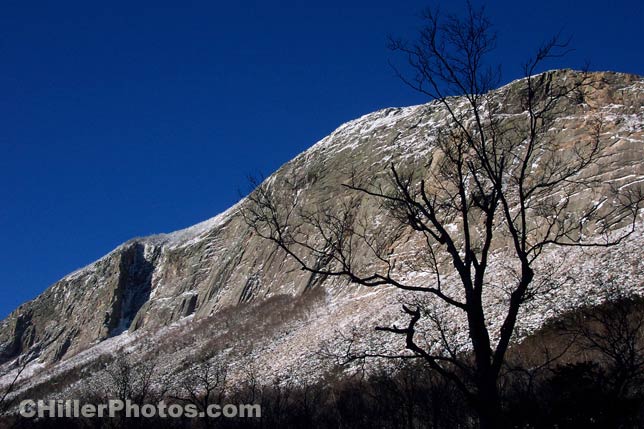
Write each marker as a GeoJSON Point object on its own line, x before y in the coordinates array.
{"type": "Point", "coordinates": [153, 283]}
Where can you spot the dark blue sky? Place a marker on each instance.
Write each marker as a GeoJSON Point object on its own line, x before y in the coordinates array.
{"type": "Point", "coordinates": [122, 119]}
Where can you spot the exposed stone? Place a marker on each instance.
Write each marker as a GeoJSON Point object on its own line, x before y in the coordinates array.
{"type": "Point", "coordinates": [148, 283]}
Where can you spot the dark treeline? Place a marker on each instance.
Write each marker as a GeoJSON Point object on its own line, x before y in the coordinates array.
{"type": "Point", "coordinates": [585, 370]}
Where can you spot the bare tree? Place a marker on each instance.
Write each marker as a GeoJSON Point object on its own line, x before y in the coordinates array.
{"type": "Point", "coordinates": [205, 385]}
{"type": "Point", "coordinates": [130, 381]}
{"type": "Point", "coordinates": [614, 331]}
{"type": "Point", "coordinates": [129, 378]}
{"type": "Point", "coordinates": [5, 396]}
{"type": "Point", "coordinates": [496, 178]}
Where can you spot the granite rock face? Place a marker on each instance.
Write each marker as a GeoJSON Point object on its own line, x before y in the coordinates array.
{"type": "Point", "coordinates": [154, 282]}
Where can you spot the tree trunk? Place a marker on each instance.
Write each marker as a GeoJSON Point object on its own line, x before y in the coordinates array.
{"type": "Point", "coordinates": [490, 416]}
{"type": "Point", "coordinates": [489, 406]}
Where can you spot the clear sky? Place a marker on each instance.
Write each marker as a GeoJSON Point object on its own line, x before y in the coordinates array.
{"type": "Point", "coordinates": [121, 119]}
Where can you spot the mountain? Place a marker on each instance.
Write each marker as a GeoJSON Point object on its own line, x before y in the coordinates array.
{"type": "Point", "coordinates": [217, 289]}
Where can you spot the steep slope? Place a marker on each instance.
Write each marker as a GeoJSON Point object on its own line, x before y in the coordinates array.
{"type": "Point", "coordinates": [197, 279]}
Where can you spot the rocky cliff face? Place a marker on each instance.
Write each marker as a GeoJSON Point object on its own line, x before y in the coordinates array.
{"type": "Point", "coordinates": [150, 286]}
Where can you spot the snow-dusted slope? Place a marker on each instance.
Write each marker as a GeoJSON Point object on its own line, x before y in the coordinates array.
{"type": "Point", "coordinates": [197, 283]}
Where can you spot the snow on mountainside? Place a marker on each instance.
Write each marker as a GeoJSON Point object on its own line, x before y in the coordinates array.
{"type": "Point", "coordinates": [219, 287]}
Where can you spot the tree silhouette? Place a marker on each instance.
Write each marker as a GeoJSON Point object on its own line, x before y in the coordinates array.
{"type": "Point", "coordinates": [496, 178]}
